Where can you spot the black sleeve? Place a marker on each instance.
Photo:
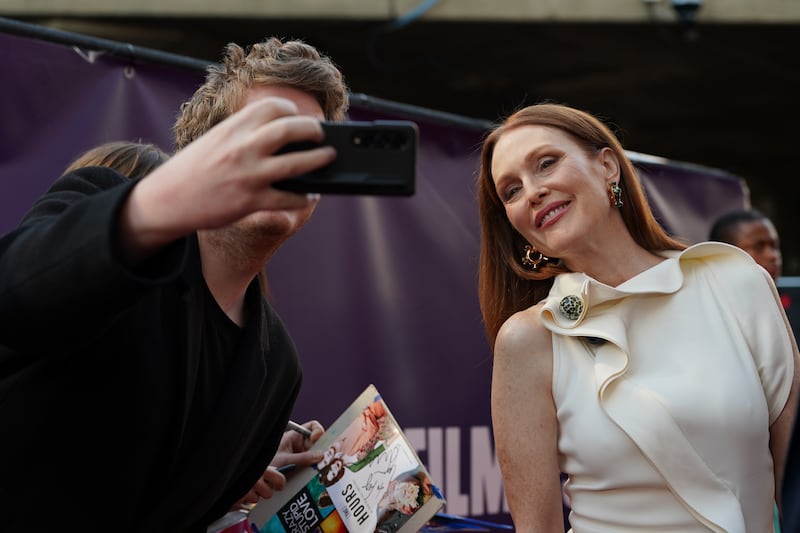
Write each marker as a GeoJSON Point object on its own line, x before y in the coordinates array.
{"type": "Point", "coordinates": [59, 267]}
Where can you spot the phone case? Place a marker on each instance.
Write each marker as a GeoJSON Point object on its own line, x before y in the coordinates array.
{"type": "Point", "coordinates": [373, 158]}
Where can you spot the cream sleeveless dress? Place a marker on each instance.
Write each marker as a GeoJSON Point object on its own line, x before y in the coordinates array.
{"type": "Point", "coordinates": [665, 387]}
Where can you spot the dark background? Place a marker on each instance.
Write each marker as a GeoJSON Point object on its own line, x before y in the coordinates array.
{"type": "Point", "coordinates": [721, 95]}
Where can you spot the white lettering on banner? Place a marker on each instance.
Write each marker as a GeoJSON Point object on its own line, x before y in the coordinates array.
{"type": "Point", "coordinates": [485, 474]}
{"type": "Point", "coordinates": [452, 472]}
{"type": "Point", "coordinates": [441, 451]}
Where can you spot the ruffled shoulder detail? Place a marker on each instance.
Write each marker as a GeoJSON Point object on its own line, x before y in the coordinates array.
{"type": "Point", "coordinates": [665, 278]}
{"type": "Point", "coordinates": [580, 306]}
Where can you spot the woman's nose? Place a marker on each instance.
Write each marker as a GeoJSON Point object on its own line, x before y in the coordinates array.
{"type": "Point", "coordinates": [537, 193]}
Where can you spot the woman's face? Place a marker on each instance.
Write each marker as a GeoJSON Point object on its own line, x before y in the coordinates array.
{"type": "Point", "coordinates": [328, 455]}
{"type": "Point", "coordinates": [555, 194]}
{"type": "Point", "coordinates": [334, 470]}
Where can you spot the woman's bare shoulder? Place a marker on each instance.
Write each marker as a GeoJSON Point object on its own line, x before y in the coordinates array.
{"type": "Point", "coordinates": [523, 329]}
{"type": "Point", "coordinates": [524, 346]}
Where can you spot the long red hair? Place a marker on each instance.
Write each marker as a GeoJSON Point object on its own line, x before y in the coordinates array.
{"type": "Point", "coordinates": [504, 285]}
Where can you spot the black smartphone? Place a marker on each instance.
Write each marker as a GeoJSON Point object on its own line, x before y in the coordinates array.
{"type": "Point", "coordinates": [373, 158]}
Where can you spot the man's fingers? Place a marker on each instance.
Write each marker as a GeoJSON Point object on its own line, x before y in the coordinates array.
{"type": "Point", "coordinates": [286, 166]}
{"type": "Point", "coordinates": [271, 136]}
{"type": "Point", "coordinates": [317, 430]}
{"type": "Point", "coordinates": [273, 479]}
{"type": "Point", "coordinates": [307, 458]}
{"type": "Point", "coordinates": [262, 111]}
{"type": "Point", "coordinates": [276, 199]}
{"type": "Point", "coordinates": [264, 490]}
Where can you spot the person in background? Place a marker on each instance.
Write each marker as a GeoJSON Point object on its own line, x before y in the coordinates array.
{"type": "Point", "coordinates": [133, 160]}
{"type": "Point", "coordinates": [609, 336]}
{"type": "Point", "coordinates": [139, 360]}
{"type": "Point", "coordinates": [753, 232]}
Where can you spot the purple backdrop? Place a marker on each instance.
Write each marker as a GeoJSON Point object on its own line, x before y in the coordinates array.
{"type": "Point", "coordinates": [374, 290]}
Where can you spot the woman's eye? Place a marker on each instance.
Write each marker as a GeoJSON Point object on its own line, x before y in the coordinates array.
{"type": "Point", "coordinates": [547, 163]}
{"type": "Point", "coordinates": [509, 192]}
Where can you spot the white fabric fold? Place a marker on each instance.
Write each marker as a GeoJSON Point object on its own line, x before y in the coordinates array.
{"type": "Point", "coordinates": [637, 412]}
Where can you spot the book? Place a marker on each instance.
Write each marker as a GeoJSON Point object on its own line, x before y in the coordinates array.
{"type": "Point", "coordinates": [370, 480]}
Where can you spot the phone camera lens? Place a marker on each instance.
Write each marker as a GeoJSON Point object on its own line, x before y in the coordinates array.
{"type": "Point", "coordinates": [399, 141]}
{"type": "Point", "coordinates": [381, 140]}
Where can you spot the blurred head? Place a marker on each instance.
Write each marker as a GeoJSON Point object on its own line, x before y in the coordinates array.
{"type": "Point", "coordinates": [293, 64]}
{"type": "Point", "coordinates": [753, 232]}
{"type": "Point", "coordinates": [132, 159]}
{"type": "Point", "coordinates": [505, 285]}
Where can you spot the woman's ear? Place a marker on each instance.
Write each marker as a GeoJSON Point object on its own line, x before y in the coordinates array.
{"type": "Point", "coordinates": [610, 163]}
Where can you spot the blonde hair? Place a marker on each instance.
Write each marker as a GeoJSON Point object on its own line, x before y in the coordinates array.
{"type": "Point", "coordinates": [291, 63]}
{"type": "Point", "coordinates": [131, 159]}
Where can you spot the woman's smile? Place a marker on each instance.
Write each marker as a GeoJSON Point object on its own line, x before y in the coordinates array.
{"type": "Point", "coordinates": [551, 213]}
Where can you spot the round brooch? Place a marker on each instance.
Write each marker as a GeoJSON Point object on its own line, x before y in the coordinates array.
{"type": "Point", "coordinates": [571, 306]}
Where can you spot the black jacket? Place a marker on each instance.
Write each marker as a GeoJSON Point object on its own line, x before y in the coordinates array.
{"type": "Point", "coordinates": [97, 377]}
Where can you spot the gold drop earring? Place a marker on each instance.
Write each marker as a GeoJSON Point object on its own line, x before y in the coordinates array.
{"type": "Point", "coordinates": [533, 259]}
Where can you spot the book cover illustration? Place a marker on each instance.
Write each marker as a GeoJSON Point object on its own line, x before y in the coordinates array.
{"type": "Point", "coordinates": [370, 480]}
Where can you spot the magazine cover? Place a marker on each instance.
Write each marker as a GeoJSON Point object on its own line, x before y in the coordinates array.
{"type": "Point", "coordinates": [370, 480]}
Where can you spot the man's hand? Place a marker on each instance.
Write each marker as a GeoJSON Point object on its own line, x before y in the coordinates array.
{"type": "Point", "coordinates": [293, 450]}
{"type": "Point", "coordinates": [270, 481]}
{"type": "Point", "coordinates": [222, 177]}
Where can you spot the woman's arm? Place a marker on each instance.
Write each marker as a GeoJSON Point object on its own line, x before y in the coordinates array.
{"type": "Point", "coordinates": [771, 342]}
{"type": "Point", "coordinates": [780, 432]}
{"type": "Point", "coordinates": [525, 424]}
